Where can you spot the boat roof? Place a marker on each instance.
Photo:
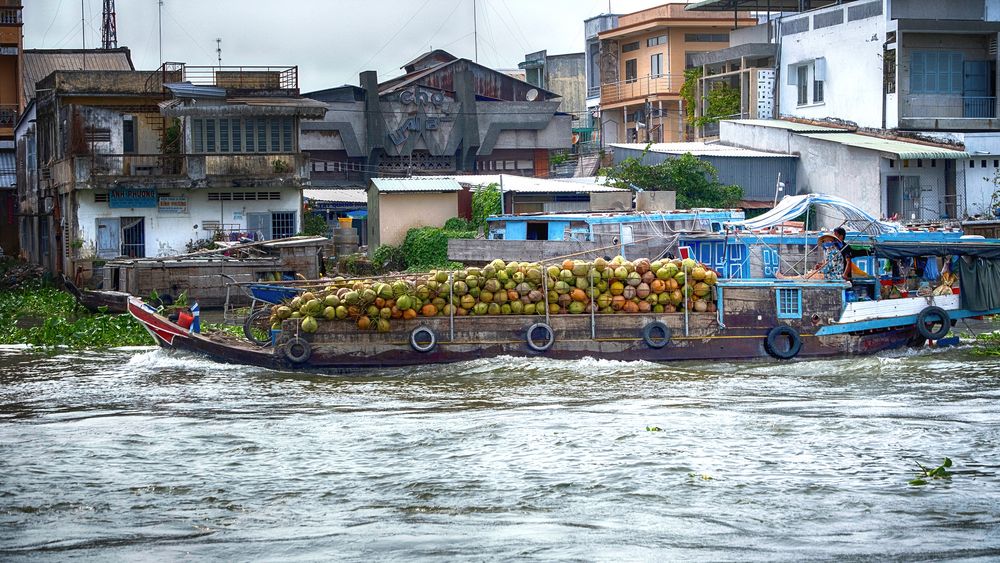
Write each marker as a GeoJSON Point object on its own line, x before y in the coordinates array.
{"type": "Point", "coordinates": [597, 217]}
{"type": "Point", "coordinates": [792, 207]}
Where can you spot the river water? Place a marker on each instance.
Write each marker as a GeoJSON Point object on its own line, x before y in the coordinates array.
{"type": "Point", "coordinates": [140, 454]}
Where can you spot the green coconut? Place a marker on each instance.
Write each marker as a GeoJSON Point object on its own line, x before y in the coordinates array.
{"type": "Point", "coordinates": [309, 324]}
{"type": "Point", "coordinates": [341, 312]}
{"type": "Point", "coordinates": [330, 313]}
{"type": "Point", "coordinates": [331, 301]}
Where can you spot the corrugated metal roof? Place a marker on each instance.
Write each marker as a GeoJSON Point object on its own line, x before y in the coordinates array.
{"type": "Point", "coordinates": [8, 169]}
{"type": "Point", "coordinates": [787, 125]}
{"type": "Point", "coordinates": [416, 184]}
{"type": "Point", "coordinates": [188, 90]}
{"type": "Point", "coordinates": [892, 147]}
{"type": "Point", "coordinates": [336, 196]}
{"type": "Point", "coordinates": [700, 149]}
{"type": "Point", "coordinates": [525, 184]}
{"type": "Point", "coordinates": [39, 63]}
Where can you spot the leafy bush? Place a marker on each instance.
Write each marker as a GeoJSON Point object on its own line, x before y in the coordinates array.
{"type": "Point", "coordinates": [357, 265]}
{"type": "Point", "coordinates": [426, 248]}
{"type": "Point", "coordinates": [313, 224]}
{"type": "Point", "coordinates": [458, 224]}
{"type": "Point", "coordinates": [388, 258]}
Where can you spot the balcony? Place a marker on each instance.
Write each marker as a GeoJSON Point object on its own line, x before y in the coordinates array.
{"type": "Point", "coordinates": [947, 112]}
{"type": "Point", "coordinates": [180, 170]}
{"type": "Point", "coordinates": [641, 88]}
{"type": "Point", "coordinates": [8, 116]}
{"type": "Point", "coordinates": [10, 16]}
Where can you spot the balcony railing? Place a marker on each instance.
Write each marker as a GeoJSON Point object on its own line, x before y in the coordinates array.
{"type": "Point", "coordinates": [244, 77]}
{"type": "Point", "coordinates": [84, 169]}
{"type": "Point", "coordinates": [8, 116]}
{"type": "Point", "coordinates": [641, 87]}
{"type": "Point", "coordinates": [138, 165]}
{"type": "Point", "coordinates": [10, 16]}
{"type": "Point", "coordinates": [948, 107]}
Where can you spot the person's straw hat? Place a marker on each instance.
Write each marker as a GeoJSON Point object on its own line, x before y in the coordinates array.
{"type": "Point", "coordinates": [827, 238]}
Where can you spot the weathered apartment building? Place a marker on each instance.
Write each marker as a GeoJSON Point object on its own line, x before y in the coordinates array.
{"type": "Point", "coordinates": [638, 70]}
{"type": "Point", "coordinates": [11, 106]}
{"type": "Point", "coordinates": [444, 115]}
{"type": "Point", "coordinates": [897, 99]}
{"type": "Point", "coordinates": [145, 163]}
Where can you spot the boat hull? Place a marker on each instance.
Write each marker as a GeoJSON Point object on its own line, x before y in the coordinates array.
{"type": "Point", "coordinates": [340, 346]}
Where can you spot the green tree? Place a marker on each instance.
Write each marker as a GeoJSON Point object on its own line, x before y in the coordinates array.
{"type": "Point", "coordinates": [485, 202]}
{"type": "Point", "coordinates": [695, 181]}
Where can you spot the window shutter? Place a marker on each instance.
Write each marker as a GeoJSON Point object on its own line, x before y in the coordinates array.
{"type": "Point", "coordinates": [819, 69]}
{"type": "Point", "coordinates": [793, 75]}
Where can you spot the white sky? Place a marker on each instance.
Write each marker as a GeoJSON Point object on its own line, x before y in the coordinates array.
{"type": "Point", "coordinates": [330, 40]}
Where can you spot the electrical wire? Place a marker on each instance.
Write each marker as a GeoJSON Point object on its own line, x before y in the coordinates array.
{"type": "Point", "coordinates": [394, 36]}
{"type": "Point", "coordinates": [54, 17]}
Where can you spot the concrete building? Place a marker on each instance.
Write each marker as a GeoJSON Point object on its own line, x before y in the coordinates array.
{"type": "Point", "coordinates": [143, 163]}
{"type": "Point", "coordinates": [899, 68]}
{"type": "Point", "coordinates": [445, 115]}
{"type": "Point", "coordinates": [542, 195]}
{"type": "Point", "coordinates": [565, 76]}
{"type": "Point", "coordinates": [396, 205]}
{"type": "Point", "coordinates": [11, 106]}
{"type": "Point", "coordinates": [592, 27]}
{"type": "Point", "coordinates": [642, 69]}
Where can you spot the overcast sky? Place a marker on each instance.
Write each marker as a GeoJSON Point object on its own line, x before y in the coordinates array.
{"type": "Point", "coordinates": [330, 40]}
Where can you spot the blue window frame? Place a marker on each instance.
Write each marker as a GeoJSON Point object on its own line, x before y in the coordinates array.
{"type": "Point", "coordinates": [789, 303]}
{"type": "Point", "coordinates": [936, 72]}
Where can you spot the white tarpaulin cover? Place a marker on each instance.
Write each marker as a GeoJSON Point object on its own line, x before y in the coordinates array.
{"type": "Point", "coordinates": [791, 207]}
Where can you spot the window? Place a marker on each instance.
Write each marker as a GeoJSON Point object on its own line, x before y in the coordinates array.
{"type": "Point", "coordinates": [128, 134]}
{"type": "Point", "coordinates": [802, 73]}
{"type": "Point", "coordinates": [198, 135]}
{"type": "Point", "coordinates": [629, 47]}
{"type": "Point", "coordinates": [656, 64]}
{"type": "Point", "coordinates": [889, 71]}
{"type": "Point", "coordinates": [631, 70]}
{"type": "Point", "coordinates": [817, 91]}
{"type": "Point", "coordinates": [237, 136]}
{"type": "Point", "coordinates": [286, 135]}
{"type": "Point", "coordinates": [282, 224]}
{"type": "Point", "coordinates": [224, 135]}
{"type": "Point", "coordinates": [209, 135]}
{"type": "Point", "coordinates": [706, 37]}
{"type": "Point", "coordinates": [789, 303]}
{"type": "Point", "coordinates": [250, 134]}
{"type": "Point", "coordinates": [936, 72]}
{"type": "Point", "coordinates": [658, 40]}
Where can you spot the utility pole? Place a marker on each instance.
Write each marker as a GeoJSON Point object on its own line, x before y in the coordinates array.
{"type": "Point", "coordinates": [218, 50]}
{"type": "Point", "coordinates": [83, 28]}
{"type": "Point", "coordinates": [475, 30]}
{"type": "Point", "coordinates": [109, 29]}
{"type": "Point", "coordinates": [159, 18]}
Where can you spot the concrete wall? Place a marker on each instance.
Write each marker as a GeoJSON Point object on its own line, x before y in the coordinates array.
{"type": "Point", "coordinates": [979, 183]}
{"type": "Point", "coordinates": [400, 212]}
{"type": "Point", "coordinates": [823, 166]}
{"type": "Point", "coordinates": [167, 234]}
{"type": "Point", "coordinates": [566, 75]}
{"type": "Point", "coordinates": [931, 205]}
{"type": "Point", "coordinates": [853, 80]}
{"type": "Point", "coordinates": [343, 128]}
{"type": "Point", "coordinates": [972, 48]}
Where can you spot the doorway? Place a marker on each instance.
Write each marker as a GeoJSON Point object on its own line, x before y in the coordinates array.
{"type": "Point", "coordinates": [133, 237]}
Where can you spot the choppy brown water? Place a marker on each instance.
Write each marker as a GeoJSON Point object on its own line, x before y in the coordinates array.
{"type": "Point", "coordinates": [138, 454]}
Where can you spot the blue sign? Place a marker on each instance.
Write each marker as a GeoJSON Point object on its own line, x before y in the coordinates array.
{"type": "Point", "coordinates": [131, 197]}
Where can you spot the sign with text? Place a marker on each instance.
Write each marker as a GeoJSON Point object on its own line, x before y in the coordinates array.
{"type": "Point", "coordinates": [131, 197]}
{"type": "Point", "coordinates": [173, 205]}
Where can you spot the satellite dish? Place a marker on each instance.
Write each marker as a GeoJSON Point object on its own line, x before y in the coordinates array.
{"type": "Point", "coordinates": [532, 95]}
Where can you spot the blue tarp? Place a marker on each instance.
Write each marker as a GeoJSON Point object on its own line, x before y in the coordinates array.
{"type": "Point", "coordinates": [358, 214]}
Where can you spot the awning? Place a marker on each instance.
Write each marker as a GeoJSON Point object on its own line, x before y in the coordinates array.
{"type": "Point", "coordinates": [791, 207]}
{"type": "Point", "coordinates": [891, 148]}
{"type": "Point", "coordinates": [911, 249]}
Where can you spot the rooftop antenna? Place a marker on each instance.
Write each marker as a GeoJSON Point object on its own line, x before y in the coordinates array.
{"type": "Point", "coordinates": [83, 28]}
{"type": "Point", "coordinates": [109, 30]}
{"type": "Point", "coordinates": [218, 49]}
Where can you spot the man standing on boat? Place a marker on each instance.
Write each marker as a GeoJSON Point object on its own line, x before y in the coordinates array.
{"type": "Point", "coordinates": [846, 252]}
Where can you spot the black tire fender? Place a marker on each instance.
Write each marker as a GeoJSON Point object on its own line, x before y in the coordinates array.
{"type": "Point", "coordinates": [248, 327]}
{"type": "Point", "coordinates": [794, 342]}
{"type": "Point", "coordinates": [656, 334]}
{"type": "Point", "coordinates": [547, 341]}
{"type": "Point", "coordinates": [297, 350]}
{"type": "Point", "coordinates": [931, 313]}
{"type": "Point", "coordinates": [422, 345]}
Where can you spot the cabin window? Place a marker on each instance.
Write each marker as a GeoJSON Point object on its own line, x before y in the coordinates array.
{"type": "Point", "coordinates": [789, 303]}
{"type": "Point", "coordinates": [538, 231]}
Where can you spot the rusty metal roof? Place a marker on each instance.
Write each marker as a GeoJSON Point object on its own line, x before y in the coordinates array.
{"type": "Point", "coordinates": [39, 63]}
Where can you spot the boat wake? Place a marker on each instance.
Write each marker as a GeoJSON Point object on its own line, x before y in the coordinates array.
{"type": "Point", "coordinates": [160, 359]}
